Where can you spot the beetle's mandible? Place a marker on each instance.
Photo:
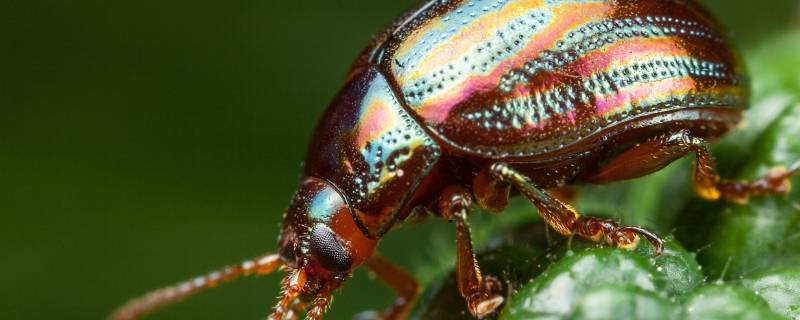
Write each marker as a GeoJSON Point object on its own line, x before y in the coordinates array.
{"type": "Point", "coordinates": [464, 103]}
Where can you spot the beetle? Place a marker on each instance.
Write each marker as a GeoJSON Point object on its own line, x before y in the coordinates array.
{"type": "Point", "coordinates": [465, 103]}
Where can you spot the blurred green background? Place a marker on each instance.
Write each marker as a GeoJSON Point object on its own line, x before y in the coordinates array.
{"type": "Point", "coordinates": [145, 142]}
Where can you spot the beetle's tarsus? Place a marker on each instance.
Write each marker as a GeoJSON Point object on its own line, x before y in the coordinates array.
{"type": "Point", "coordinates": [623, 237]}
{"type": "Point", "coordinates": [483, 306]}
{"type": "Point", "coordinates": [654, 239]}
{"type": "Point", "coordinates": [483, 303]}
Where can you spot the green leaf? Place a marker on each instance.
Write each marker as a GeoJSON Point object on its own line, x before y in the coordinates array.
{"type": "Point", "coordinates": [677, 267]}
{"type": "Point", "coordinates": [624, 301]}
{"type": "Point", "coordinates": [558, 291]}
{"type": "Point", "coordinates": [726, 302]}
{"type": "Point", "coordinates": [780, 289]}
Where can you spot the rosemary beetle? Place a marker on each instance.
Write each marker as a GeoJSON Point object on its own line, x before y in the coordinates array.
{"type": "Point", "coordinates": [462, 104]}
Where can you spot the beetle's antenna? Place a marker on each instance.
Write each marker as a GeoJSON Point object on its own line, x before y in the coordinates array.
{"type": "Point", "coordinates": [163, 297]}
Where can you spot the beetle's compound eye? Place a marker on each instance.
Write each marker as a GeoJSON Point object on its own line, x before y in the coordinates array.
{"type": "Point", "coordinates": [327, 250]}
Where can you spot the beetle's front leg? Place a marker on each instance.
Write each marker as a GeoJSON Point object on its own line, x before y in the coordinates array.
{"type": "Point", "coordinates": [478, 291]}
{"type": "Point", "coordinates": [566, 220]}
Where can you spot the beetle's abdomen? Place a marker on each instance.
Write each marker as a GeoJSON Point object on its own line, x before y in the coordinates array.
{"type": "Point", "coordinates": [506, 78]}
{"type": "Point", "coordinates": [372, 150]}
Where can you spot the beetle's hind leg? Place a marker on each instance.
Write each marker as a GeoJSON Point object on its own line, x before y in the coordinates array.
{"type": "Point", "coordinates": [709, 185]}
{"type": "Point", "coordinates": [658, 153]}
{"type": "Point", "coordinates": [566, 220]}
{"type": "Point", "coordinates": [479, 291]}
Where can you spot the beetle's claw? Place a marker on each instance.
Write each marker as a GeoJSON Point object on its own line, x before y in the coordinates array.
{"type": "Point", "coordinates": [481, 304]}
{"type": "Point", "coordinates": [624, 237]}
{"type": "Point", "coordinates": [655, 240]}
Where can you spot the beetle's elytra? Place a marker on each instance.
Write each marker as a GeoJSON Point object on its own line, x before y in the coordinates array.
{"type": "Point", "coordinates": [459, 103]}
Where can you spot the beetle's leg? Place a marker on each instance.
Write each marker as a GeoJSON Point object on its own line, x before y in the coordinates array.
{"type": "Point", "coordinates": [709, 185]}
{"type": "Point", "coordinates": [477, 290]}
{"type": "Point", "coordinates": [139, 307]}
{"type": "Point", "coordinates": [566, 220]}
{"type": "Point", "coordinates": [400, 281]}
{"type": "Point", "coordinates": [656, 154]}
{"type": "Point", "coordinates": [492, 194]}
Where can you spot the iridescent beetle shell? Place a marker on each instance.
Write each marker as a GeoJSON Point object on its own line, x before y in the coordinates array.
{"type": "Point", "coordinates": [534, 81]}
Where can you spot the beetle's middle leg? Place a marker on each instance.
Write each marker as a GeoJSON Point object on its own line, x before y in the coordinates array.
{"type": "Point", "coordinates": [566, 220]}
{"type": "Point", "coordinates": [478, 290]}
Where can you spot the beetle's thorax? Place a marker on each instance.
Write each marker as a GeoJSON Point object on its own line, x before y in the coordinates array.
{"type": "Point", "coordinates": [372, 150]}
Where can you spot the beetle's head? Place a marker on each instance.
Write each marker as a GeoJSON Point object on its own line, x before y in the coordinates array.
{"type": "Point", "coordinates": [320, 245]}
